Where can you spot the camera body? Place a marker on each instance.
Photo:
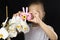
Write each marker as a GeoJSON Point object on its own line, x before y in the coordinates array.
{"type": "Point", "coordinates": [26, 16]}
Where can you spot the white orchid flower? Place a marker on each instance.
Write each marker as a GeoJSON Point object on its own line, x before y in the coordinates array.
{"type": "Point", "coordinates": [19, 27]}
{"type": "Point", "coordinates": [4, 23]}
{"type": "Point", "coordinates": [3, 33]}
{"type": "Point", "coordinates": [11, 21]}
{"type": "Point", "coordinates": [12, 33]}
{"type": "Point", "coordinates": [15, 23]}
{"type": "Point", "coordinates": [26, 28]}
{"type": "Point", "coordinates": [12, 26]}
{"type": "Point", "coordinates": [19, 24]}
{"type": "Point", "coordinates": [12, 30]}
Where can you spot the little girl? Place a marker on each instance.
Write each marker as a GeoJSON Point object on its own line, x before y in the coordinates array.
{"type": "Point", "coordinates": [38, 29]}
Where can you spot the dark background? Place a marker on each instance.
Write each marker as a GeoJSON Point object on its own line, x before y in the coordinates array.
{"type": "Point", "coordinates": [52, 8]}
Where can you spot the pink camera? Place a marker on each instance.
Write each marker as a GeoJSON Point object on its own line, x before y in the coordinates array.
{"type": "Point", "coordinates": [26, 15]}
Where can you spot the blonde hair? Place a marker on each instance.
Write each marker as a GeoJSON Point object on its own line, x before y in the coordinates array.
{"type": "Point", "coordinates": [39, 8]}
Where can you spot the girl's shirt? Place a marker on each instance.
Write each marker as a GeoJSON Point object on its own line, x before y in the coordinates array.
{"type": "Point", "coordinates": [36, 33]}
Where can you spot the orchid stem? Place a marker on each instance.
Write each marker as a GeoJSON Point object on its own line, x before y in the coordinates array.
{"type": "Point", "coordinates": [6, 11]}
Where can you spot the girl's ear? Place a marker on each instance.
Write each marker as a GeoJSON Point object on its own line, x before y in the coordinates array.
{"type": "Point", "coordinates": [26, 9]}
{"type": "Point", "coordinates": [23, 9]}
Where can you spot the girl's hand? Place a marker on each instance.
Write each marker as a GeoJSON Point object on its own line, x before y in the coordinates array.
{"type": "Point", "coordinates": [17, 14]}
{"type": "Point", "coordinates": [36, 18]}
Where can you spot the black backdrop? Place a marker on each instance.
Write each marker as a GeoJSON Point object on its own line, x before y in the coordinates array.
{"type": "Point", "coordinates": [52, 8]}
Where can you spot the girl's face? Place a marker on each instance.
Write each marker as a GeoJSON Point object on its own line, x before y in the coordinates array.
{"type": "Point", "coordinates": [39, 8]}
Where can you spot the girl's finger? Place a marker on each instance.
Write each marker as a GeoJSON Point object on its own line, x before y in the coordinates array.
{"type": "Point", "coordinates": [18, 14]}
{"type": "Point", "coordinates": [14, 15]}
{"type": "Point", "coordinates": [32, 20]}
{"type": "Point", "coordinates": [19, 11]}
